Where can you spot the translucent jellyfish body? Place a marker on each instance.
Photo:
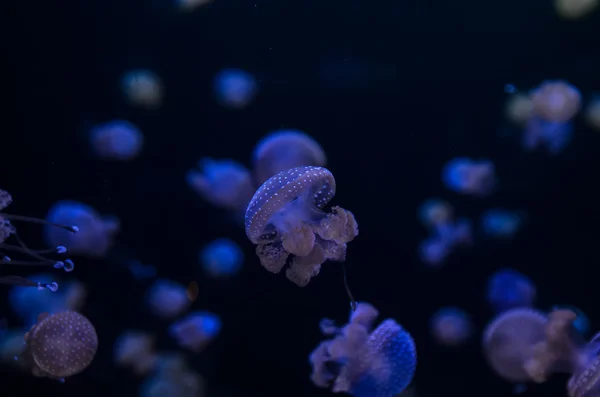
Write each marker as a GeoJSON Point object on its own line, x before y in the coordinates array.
{"type": "Point", "coordinates": [116, 140]}
{"type": "Point", "coordinates": [470, 177]}
{"type": "Point", "coordinates": [575, 9]}
{"type": "Point", "coordinates": [519, 109]}
{"type": "Point", "coordinates": [221, 258]}
{"type": "Point", "coordinates": [167, 299]}
{"type": "Point", "coordinates": [173, 378]}
{"type": "Point", "coordinates": [556, 101]}
{"type": "Point", "coordinates": [282, 150]}
{"type": "Point", "coordinates": [196, 330]}
{"type": "Point", "coordinates": [364, 362]}
{"type": "Point", "coordinates": [235, 88]}
{"type": "Point", "coordinates": [581, 323]}
{"type": "Point", "coordinates": [436, 213]}
{"type": "Point", "coordinates": [61, 345]}
{"type": "Point", "coordinates": [96, 232]}
{"type": "Point", "coordinates": [142, 88]}
{"type": "Point", "coordinates": [508, 289]}
{"type": "Point", "coordinates": [552, 135]}
{"type": "Point", "coordinates": [451, 326]}
{"type": "Point", "coordinates": [286, 222]}
{"type": "Point", "coordinates": [446, 235]}
{"type": "Point", "coordinates": [500, 223]}
{"type": "Point", "coordinates": [135, 349]}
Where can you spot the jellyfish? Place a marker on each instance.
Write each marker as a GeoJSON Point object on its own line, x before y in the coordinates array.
{"type": "Point", "coordinates": [221, 258]}
{"type": "Point", "coordinates": [433, 251]}
{"type": "Point", "coordinates": [173, 378]}
{"type": "Point", "coordinates": [223, 183]}
{"type": "Point", "coordinates": [141, 271]}
{"type": "Point", "coordinates": [361, 361]}
{"type": "Point", "coordinates": [34, 257]}
{"type": "Point", "coordinates": [500, 223]}
{"type": "Point", "coordinates": [592, 113]}
{"type": "Point", "coordinates": [235, 88]}
{"type": "Point", "coordinates": [519, 109]}
{"type": "Point", "coordinates": [167, 299]}
{"type": "Point", "coordinates": [436, 213]}
{"type": "Point", "coordinates": [508, 289]}
{"type": "Point", "coordinates": [96, 233]}
{"type": "Point", "coordinates": [190, 5]}
{"type": "Point", "coordinates": [135, 349]}
{"type": "Point", "coordinates": [509, 340]}
{"type": "Point", "coordinates": [451, 326]}
{"type": "Point", "coordinates": [282, 150]}
{"type": "Point", "coordinates": [581, 323]}
{"type": "Point", "coordinates": [60, 345]}
{"type": "Point", "coordinates": [554, 136]}
{"type": "Point", "coordinates": [470, 177]}
{"type": "Point", "coordinates": [196, 330]}
{"type": "Point", "coordinates": [286, 222]}
{"type": "Point", "coordinates": [116, 140]}
{"type": "Point", "coordinates": [556, 101]}
{"type": "Point", "coordinates": [142, 88]}
{"type": "Point", "coordinates": [575, 9]}
{"type": "Point", "coordinates": [12, 346]}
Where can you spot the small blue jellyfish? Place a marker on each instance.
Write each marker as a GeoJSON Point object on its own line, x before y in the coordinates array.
{"type": "Point", "coordinates": [196, 330]}
{"type": "Point", "coordinates": [142, 88]}
{"type": "Point", "coordinates": [451, 326]}
{"type": "Point", "coordinates": [470, 177]}
{"type": "Point", "coordinates": [167, 299]}
{"type": "Point", "coordinates": [221, 258]}
{"type": "Point", "coordinates": [364, 362]}
{"type": "Point", "coordinates": [235, 88]}
{"type": "Point", "coordinates": [435, 213]}
{"type": "Point", "coordinates": [500, 223]}
{"type": "Point", "coordinates": [507, 289]}
{"type": "Point", "coordinates": [554, 136]}
{"type": "Point", "coordinates": [116, 140]}
{"type": "Point", "coordinates": [433, 251]}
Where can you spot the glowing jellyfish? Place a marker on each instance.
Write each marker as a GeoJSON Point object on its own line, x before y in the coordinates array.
{"type": "Point", "coordinates": [33, 257]}
{"type": "Point", "coordinates": [433, 251]}
{"type": "Point", "coordinates": [470, 177]}
{"type": "Point", "coordinates": [173, 378]}
{"type": "Point", "coordinates": [509, 340]}
{"type": "Point", "coordinates": [575, 9]}
{"type": "Point", "coordinates": [196, 330]}
{"type": "Point", "coordinates": [451, 326]}
{"type": "Point", "coordinates": [508, 289]}
{"type": "Point", "coordinates": [446, 236]}
{"type": "Point", "coordinates": [61, 345]}
{"type": "Point", "coordinates": [235, 88]}
{"type": "Point", "coordinates": [556, 101]}
{"type": "Point", "coordinates": [500, 223]}
{"type": "Point", "coordinates": [364, 362]}
{"type": "Point", "coordinates": [167, 299]}
{"type": "Point", "coordinates": [96, 232]}
{"type": "Point", "coordinates": [223, 183]}
{"type": "Point", "coordinates": [581, 322]}
{"type": "Point", "coordinates": [190, 5]}
{"type": "Point", "coordinates": [116, 140]}
{"type": "Point", "coordinates": [221, 258]}
{"type": "Point", "coordinates": [286, 222]}
{"type": "Point", "coordinates": [436, 213]}
{"type": "Point", "coordinates": [282, 150]}
{"type": "Point", "coordinates": [554, 136]}
{"type": "Point", "coordinates": [519, 109]}
{"type": "Point", "coordinates": [142, 88]}
{"type": "Point", "coordinates": [592, 113]}
{"type": "Point", "coordinates": [135, 349]}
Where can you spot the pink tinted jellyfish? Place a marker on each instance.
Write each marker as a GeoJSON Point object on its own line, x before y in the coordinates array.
{"type": "Point", "coordinates": [286, 222]}
{"type": "Point", "coordinates": [451, 326]}
{"type": "Point", "coordinates": [364, 362]}
{"type": "Point", "coordinates": [61, 345]}
{"type": "Point", "coordinates": [470, 177]}
{"type": "Point", "coordinates": [34, 257]}
{"type": "Point", "coordinates": [284, 149]}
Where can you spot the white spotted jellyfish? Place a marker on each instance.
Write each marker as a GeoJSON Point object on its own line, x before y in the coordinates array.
{"type": "Point", "coordinates": [31, 257]}
{"type": "Point", "coordinates": [285, 219]}
{"type": "Point", "coordinates": [60, 345]}
{"type": "Point", "coordinates": [363, 361]}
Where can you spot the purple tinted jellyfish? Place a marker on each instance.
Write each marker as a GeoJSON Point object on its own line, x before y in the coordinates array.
{"type": "Point", "coordinates": [136, 350]}
{"type": "Point", "coordinates": [451, 326]}
{"type": "Point", "coordinates": [364, 362]}
{"type": "Point", "coordinates": [221, 258]}
{"type": "Point", "coordinates": [286, 222]}
{"type": "Point", "coordinates": [167, 299]}
{"type": "Point", "coordinates": [61, 345]}
{"type": "Point", "coordinates": [96, 233]}
{"type": "Point", "coordinates": [554, 136]}
{"type": "Point", "coordinates": [508, 289]}
{"type": "Point", "coordinates": [196, 330]}
{"type": "Point", "coordinates": [223, 183]}
{"type": "Point", "coordinates": [142, 88]}
{"type": "Point", "coordinates": [471, 177]}
{"type": "Point", "coordinates": [282, 150]}
{"type": "Point", "coordinates": [556, 101]}
{"type": "Point", "coordinates": [500, 223]}
{"type": "Point", "coordinates": [235, 88]}
{"type": "Point", "coordinates": [117, 140]}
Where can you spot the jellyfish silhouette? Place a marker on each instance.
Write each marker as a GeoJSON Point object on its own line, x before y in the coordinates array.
{"type": "Point", "coordinates": [286, 222]}
{"type": "Point", "coordinates": [61, 345]}
{"type": "Point", "coordinates": [362, 362]}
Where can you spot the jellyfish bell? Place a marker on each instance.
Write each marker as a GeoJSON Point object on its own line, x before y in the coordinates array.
{"type": "Point", "coordinates": [556, 101]}
{"type": "Point", "coordinates": [142, 88]}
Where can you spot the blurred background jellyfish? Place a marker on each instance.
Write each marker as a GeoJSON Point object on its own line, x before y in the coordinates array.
{"type": "Point", "coordinates": [444, 239]}
{"type": "Point", "coordinates": [435, 214]}
{"type": "Point", "coordinates": [556, 101]}
{"type": "Point", "coordinates": [135, 349]}
{"type": "Point", "coordinates": [451, 326]}
{"type": "Point", "coordinates": [235, 88]}
{"type": "Point", "coordinates": [286, 222]}
{"type": "Point", "coordinates": [223, 183]}
{"type": "Point", "coordinates": [470, 177]}
{"type": "Point", "coordinates": [116, 140]}
{"type": "Point", "coordinates": [581, 323]}
{"type": "Point", "coordinates": [12, 346]}
{"type": "Point", "coordinates": [173, 378]}
{"type": "Point", "coordinates": [508, 289]}
{"type": "Point", "coordinates": [61, 345]}
{"type": "Point", "coordinates": [96, 232]}
{"type": "Point", "coordinates": [167, 299]}
{"type": "Point", "coordinates": [221, 258]}
{"type": "Point", "coordinates": [433, 251]}
{"type": "Point", "coordinates": [191, 5]}
{"type": "Point", "coordinates": [554, 136]}
{"type": "Point", "coordinates": [575, 9]}
{"type": "Point", "coordinates": [519, 109]}
{"type": "Point", "coordinates": [282, 150]}
{"type": "Point", "coordinates": [196, 330]}
{"type": "Point", "coordinates": [500, 223]}
{"type": "Point", "coordinates": [592, 113]}
{"type": "Point", "coordinates": [364, 362]}
{"type": "Point", "coordinates": [142, 88]}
